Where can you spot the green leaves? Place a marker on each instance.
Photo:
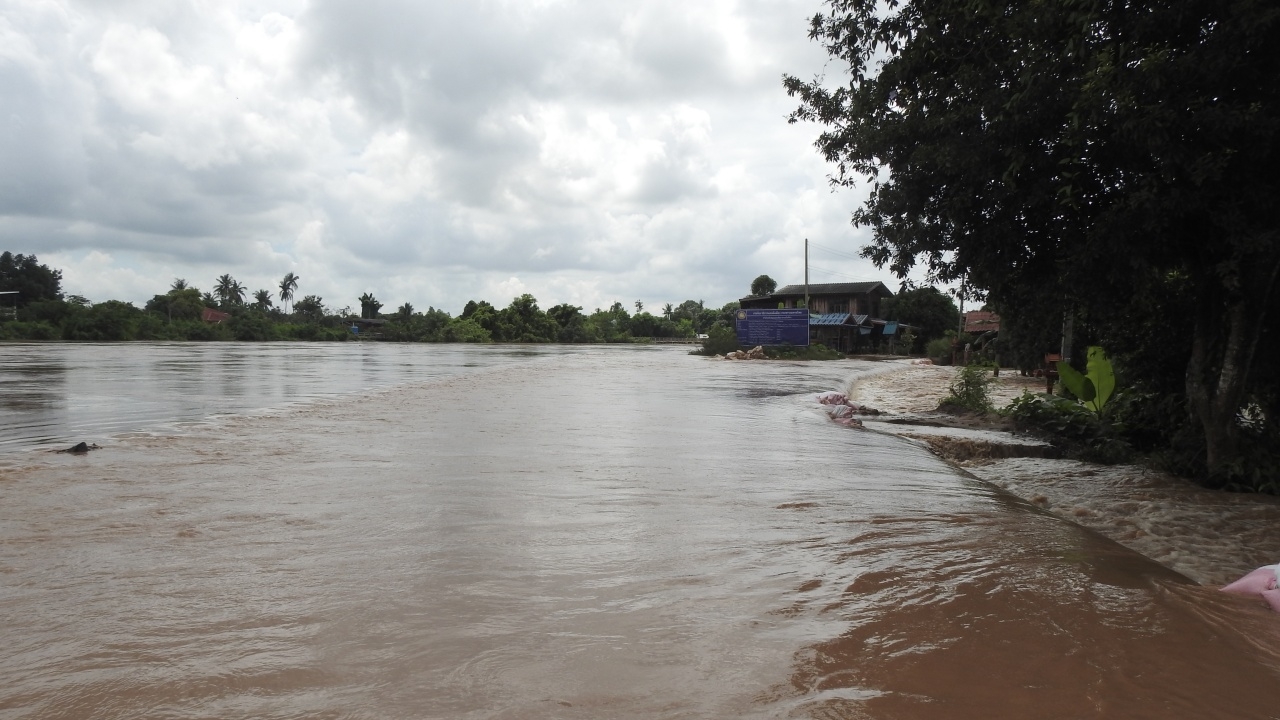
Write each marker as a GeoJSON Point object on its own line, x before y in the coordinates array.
{"type": "Point", "coordinates": [1102, 375]}
{"type": "Point", "coordinates": [1096, 386]}
{"type": "Point", "coordinates": [1079, 385]}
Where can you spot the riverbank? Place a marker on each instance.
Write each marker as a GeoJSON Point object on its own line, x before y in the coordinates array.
{"type": "Point", "coordinates": [1212, 537]}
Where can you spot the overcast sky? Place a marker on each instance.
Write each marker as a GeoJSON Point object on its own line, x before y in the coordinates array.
{"type": "Point", "coordinates": [427, 152]}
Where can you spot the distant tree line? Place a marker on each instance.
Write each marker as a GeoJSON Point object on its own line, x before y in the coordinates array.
{"type": "Point", "coordinates": [43, 312]}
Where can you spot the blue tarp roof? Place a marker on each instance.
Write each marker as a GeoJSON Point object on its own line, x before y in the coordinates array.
{"type": "Point", "coordinates": [829, 319]}
{"type": "Point", "coordinates": [839, 319]}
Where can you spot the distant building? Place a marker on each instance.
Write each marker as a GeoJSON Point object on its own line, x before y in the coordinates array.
{"type": "Point", "coordinates": [216, 317]}
{"type": "Point", "coordinates": [979, 322]}
{"type": "Point", "coordinates": [859, 298]}
{"type": "Point", "coordinates": [843, 316]}
{"type": "Point", "coordinates": [367, 325]}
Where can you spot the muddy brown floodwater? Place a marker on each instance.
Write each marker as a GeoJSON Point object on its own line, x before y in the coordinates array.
{"type": "Point", "coordinates": [585, 533]}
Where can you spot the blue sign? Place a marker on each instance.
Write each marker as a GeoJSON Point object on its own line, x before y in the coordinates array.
{"type": "Point", "coordinates": [772, 327]}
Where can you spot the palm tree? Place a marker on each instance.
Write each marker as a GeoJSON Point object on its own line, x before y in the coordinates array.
{"type": "Point", "coordinates": [405, 312]}
{"type": "Point", "coordinates": [228, 291]}
{"type": "Point", "coordinates": [369, 306]}
{"type": "Point", "coordinates": [178, 284]}
{"type": "Point", "coordinates": [667, 310]}
{"type": "Point", "coordinates": [287, 286]}
{"type": "Point", "coordinates": [262, 298]}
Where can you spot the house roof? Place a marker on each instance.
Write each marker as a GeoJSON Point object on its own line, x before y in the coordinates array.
{"type": "Point", "coordinates": [210, 315]}
{"type": "Point", "coordinates": [853, 288]}
{"type": "Point", "coordinates": [979, 321]}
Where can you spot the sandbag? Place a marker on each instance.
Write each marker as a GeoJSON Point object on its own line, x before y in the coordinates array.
{"type": "Point", "coordinates": [1263, 582]}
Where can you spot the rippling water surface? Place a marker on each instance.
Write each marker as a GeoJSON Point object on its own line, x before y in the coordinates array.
{"type": "Point", "coordinates": [52, 393]}
{"type": "Point", "coordinates": [570, 533]}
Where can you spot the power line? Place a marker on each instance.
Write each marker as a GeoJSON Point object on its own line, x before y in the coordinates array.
{"type": "Point", "coordinates": [834, 272]}
{"type": "Point", "coordinates": [833, 251]}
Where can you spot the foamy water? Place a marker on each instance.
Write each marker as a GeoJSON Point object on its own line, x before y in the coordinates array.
{"type": "Point", "coordinates": [606, 532]}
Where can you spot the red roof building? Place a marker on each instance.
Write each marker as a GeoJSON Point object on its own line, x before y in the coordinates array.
{"type": "Point", "coordinates": [210, 315]}
{"type": "Point", "coordinates": [980, 321]}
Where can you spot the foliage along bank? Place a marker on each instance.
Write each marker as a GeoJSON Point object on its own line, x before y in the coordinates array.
{"type": "Point", "coordinates": [44, 312]}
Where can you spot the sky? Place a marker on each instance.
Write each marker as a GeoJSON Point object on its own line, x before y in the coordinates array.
{"type": "Point", "coordinates": [585, 152]}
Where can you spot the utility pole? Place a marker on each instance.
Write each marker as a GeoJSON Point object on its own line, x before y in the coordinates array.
{"type": "Point", "coordinates": [806, 273]}
{"type": "Point", "coordinates": [1068, 316]}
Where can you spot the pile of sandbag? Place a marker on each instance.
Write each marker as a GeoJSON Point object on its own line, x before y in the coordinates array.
{"type": "Point", "coordinates": [843, 410]}
{"type": "Point", "coordinates": [755, 353]}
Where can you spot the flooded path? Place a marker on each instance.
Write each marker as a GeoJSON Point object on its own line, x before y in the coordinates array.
{"type": "Point", "coordinates": [598, 532]}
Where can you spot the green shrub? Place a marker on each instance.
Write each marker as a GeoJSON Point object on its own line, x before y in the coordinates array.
{"type": "Point", "coordinates": [1069, 424]}
{"type": "Point", "coordinates": [465, 330]}
{"type": "Point", "coordinates": [1255, 467]}
{"type": "Point", "coordinates": [970, 390]}
{"type": "Point", "coordinates": [28, 331]}
{"type": "Point", "coordinates": [199, 331]}
{"type": "Point", "coordinates": [252, 327]}
{"type": "Point", "coordinates": [109, 321]}
{"type": "Point", "coordinates": [939, 351]}
{"type": "Point", "coordinates": [791, 352]}
{"type": "Point", "coordinates": [719, 341]}
{"type": "Point", "coordinates": [906, 343]}
{"type": "Point", "coordinates": [1054, 417]}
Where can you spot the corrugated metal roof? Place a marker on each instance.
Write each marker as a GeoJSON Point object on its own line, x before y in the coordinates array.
{"type": "Point", "coordinates": [832, 288]}
{"type": "Point", "coordinates": [829, 319]}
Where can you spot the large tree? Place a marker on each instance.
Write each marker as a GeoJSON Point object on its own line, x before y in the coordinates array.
{"type": "Point", "coordinates": [1080, 151]}
{"type": "Point", "coordinates": [763, 285]}
{"type": "Point", "coordinates": [926, 309]}
{"type": "Point", "coordinates": [32, 281]}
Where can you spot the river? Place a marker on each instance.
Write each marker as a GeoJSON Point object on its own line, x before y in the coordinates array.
{"type": "Point", "coordinates": [382, 531]}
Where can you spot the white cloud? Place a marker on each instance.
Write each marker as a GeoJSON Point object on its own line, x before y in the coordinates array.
{"type": "Point", "coordinates": [429, 153]}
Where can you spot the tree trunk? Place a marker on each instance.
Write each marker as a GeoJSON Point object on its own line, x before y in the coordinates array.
{"type": "Point", "coordinates": [1228, 326]}
{"type": "Point", "coordinates": [1214, 386]}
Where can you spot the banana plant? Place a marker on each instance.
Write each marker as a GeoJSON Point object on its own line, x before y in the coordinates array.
{"type": "Point", "coordinates": [1094, 387]}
